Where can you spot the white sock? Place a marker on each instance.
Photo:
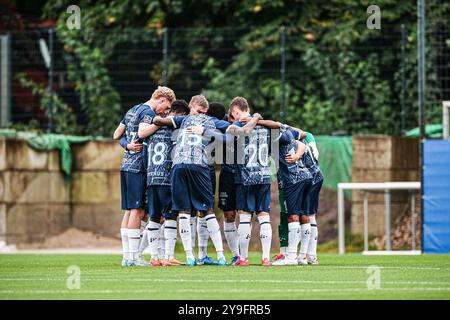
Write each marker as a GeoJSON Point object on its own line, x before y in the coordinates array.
{"type": "Point", "coordinates": [153, 238]}
{"type": "Point", "coordinates": [214, 233]}
{"type": "Point", "coordinates": [244, 230]}
{"type": "Point", "coordinates": [162, 241]}
{"type": "Point", "coordinates": [312, 248]}
{"type": "Point", "coordinates": [293, 239]}
{"type": "Point", "coordinates": [232, 237]}
{"type": "Point", "coordinates": [144, 241]}
{"type": "Point", "coordinates": [203, 236]}
{"type": "Point", "coordinates": [193, 222]}
{"type": "Point", "coordinates": [125, 249]}
{"type": "Point", "coordinates": [170, 234]}
{"type": "Point", "coordinates": [283, 250]}
{"type": "Point", "coordinates": [305, 231]}
{"type": "Point", "coordinates": [185, 233]}
{"type": "Point", "coordinates": [134, 239]}
{"type": "Point", "coordinates": [265, 234]}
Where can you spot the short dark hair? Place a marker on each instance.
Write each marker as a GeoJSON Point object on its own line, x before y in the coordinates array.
{"type": "Point", "coordinates": [179, 106]}
{"type": "Point", "coordinates": [217, 110]}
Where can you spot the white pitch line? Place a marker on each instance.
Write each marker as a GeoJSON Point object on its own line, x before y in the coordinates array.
{"type": "Point", "coordinates": [361, 290]}
{"type": "Point", "coordinates": [145, 280]}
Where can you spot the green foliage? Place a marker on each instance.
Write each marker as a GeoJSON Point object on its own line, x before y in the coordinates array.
{"type": "Point", "coordinates": [340, 75]}
{"type": "Point", "coordinates": [64, 118]}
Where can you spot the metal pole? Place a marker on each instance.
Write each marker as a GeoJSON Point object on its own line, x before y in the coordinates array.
{"type": "Point", "coordinates": [5, 80]}
{"type": "Point", "coordinates": [445, 119]}
{"type": "Point", "coordinates": [366, 222]}
{"type": "Point", "coordinates": [341, 221]}
{"type": "Point", "coordinates": [283, 75]}
{"type": "Point", "coordinates": [387, 211]}
{"type": "Point", "coordinates": [421, 65]}
{"type": "Point", "coordinates": [50, 81]}
{"type": "Point", "coordinates": [166, 56]}
{"type": "Point", "coordinates": [413, 219]}
{"type": "Point", "coordinates": [403, 78]}
{"type": "Point", "coordinates": [422, 88]}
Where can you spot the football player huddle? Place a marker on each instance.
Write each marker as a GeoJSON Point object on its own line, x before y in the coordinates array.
{"type": "Point", "coordinates": [168, 182]}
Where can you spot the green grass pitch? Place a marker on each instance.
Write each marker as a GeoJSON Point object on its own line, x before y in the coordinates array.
{"type": "Point", "coordinates": [337, 277]}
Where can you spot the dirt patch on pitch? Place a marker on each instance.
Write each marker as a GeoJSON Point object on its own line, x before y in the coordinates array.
{"type": "Point", "coordinates": [74, 238]}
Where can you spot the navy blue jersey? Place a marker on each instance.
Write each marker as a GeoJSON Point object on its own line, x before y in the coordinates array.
{"type": "Point", "coordinates": [159, 154]}
{"type": "Point", "coordinates": [229, 155]}
{"type": "Point", "coordinates": [311, 164]}
{"type": "Point", "coordinates": [193, 148]}
{"type": "Point", "coordinates": [290, 173]}
{"type": "Point", "coordinates": [308, 158]}
{"type": "Point", "coordinates": [221, 125]}
{"type": "Point", "coordinates": [253, 164]}
{"type": "Point", "coordinates": [224, 145]}
{"type": "Point", "coordinates": [132, 161]}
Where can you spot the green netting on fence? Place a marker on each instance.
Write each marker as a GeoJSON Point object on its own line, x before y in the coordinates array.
{"type": "Point", "coordinates": [335, 159]}
{"type": "Point", "coordinates": [431, 130]}
{"type": "Point", "coordinates": [48, 142]}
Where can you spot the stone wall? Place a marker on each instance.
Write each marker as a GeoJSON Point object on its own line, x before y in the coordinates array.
{"type": "Point", "coordinates": [95, 189]}
{"type": "Point", "coordinates": [382, 159]}
{"type": "Point", "coordinates": [33, 193]}
{"type": "Point", "coordinates": [37, 200]}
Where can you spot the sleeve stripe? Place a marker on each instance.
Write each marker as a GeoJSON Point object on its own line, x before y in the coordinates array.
{"type": "Point", "coordinates": [173, 122]}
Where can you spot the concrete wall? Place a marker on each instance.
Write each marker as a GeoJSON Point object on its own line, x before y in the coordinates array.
{"type": "Point", "coordinates": [381, 159]}
{"type": "Point", "coordinates": [37, 200]}
{"type": "Point", "coordinates": [32, 192]}
{"type": "Point", "coordinates": [95, 190]}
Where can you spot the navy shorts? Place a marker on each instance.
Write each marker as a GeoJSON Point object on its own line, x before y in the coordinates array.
{"type": "Point", "coordinates": [227, 191]}
{"type": "Point", "coordinates": [253, 198]}
{"type": "Point", "coordinates": [296, 197]}
{"type": "Point", "coordinates": [159, 199]}
{"type": "Point", "coordinates": [191, 188]}
{"type": "Point", "coordinates": [133, 186]}
{"type": "Point", "coordinates": [212, 174]}
{"type": "Point", "coordinates": [313, 197]}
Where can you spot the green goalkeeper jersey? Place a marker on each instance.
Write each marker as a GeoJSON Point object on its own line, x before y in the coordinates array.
{"type": "Point", "coordinates": [309, 137]}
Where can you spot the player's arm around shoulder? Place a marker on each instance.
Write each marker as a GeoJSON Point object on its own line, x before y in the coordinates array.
{"type": "Point", "coordinates": [240, 129]}
{"type": "Point", "coordinates": [120, 133]}
{"type": "Point", "coordinates": [169, 121]}
{"type": "Point", "coordinates": [145, 130]}
{"type": "Point", "coordinates": [120, 130]}
{"type": "Point", "coordinates": [270, 124]}
{"type": "Point", "coordinates": [301, 147]}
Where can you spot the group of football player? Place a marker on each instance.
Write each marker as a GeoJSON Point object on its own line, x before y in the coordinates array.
{"type": "Point", "coordinates": [168, 182]}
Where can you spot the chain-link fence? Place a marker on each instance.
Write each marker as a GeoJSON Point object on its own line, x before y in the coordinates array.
{"type": "Point", "coordinates": [368, 86]}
